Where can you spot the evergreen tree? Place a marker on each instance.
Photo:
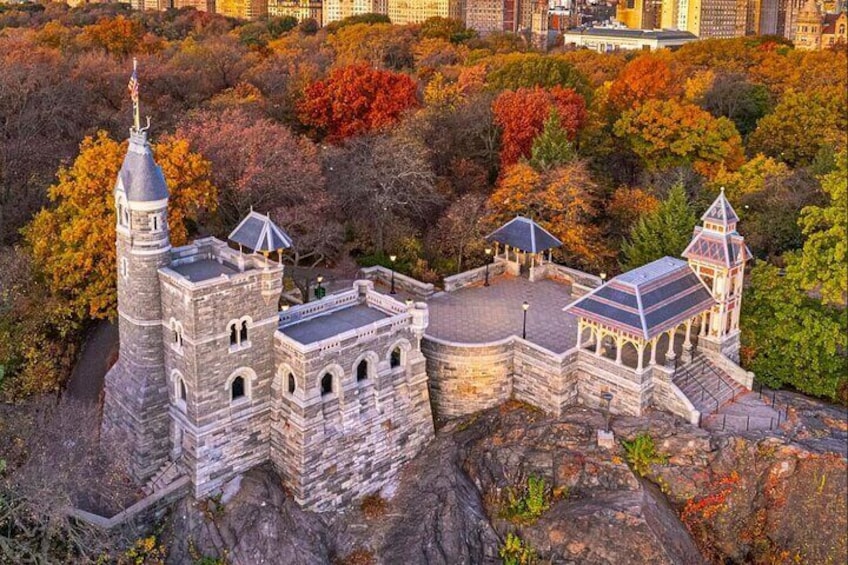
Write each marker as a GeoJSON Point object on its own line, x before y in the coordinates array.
{"type": "Point", "coordinates": [551, 148]}
{"type": "Point", "coordinates": [666, 231]}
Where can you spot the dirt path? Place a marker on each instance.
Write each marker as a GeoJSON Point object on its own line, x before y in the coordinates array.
{"type": "Point", "coordinates": [99, 349]}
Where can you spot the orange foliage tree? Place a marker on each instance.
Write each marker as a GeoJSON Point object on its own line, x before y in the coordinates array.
{"type": "Point", "coordinates": [73, 244]}
{"type": "Point", "coordinates": [645, 77]}
{"type": "Point", "coordinates": [118, 36]}
{"type": "Point", "coordinates": [626, 206]}
{"type": "Point", "coordinates": [357, 99]}
{"type": "Point", "coordinates": [669, 133]}
{"type": "Point", "coordinates": [562, 201]}
{"type": "Point", "coordinates": [521, 115]}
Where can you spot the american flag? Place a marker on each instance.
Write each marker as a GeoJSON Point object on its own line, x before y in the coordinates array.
{"type": "Point", "coordinates": [133, 86]}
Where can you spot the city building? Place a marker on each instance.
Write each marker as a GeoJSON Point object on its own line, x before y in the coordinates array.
{"type": "Point", "coordinates": [808, 27]}
{"type": "Point", "coordinates": [487, 16]}
{"type": "Point", "coordinates": [721, 19]}
{"type": "Point", "coordinates": [416, 11]}
{"type": "Point", "coordinates": [603, 39]}
{"type": "Point", "coordinates": [201, 5]}
{"type": "Point", "coordinates": [335, 10]}
{"type": "Point", "coordinates": [639, 14]}
{"type": "Point", "coordinates": [298, 9]}
{"type": "Point", "coordinates": [242, 9]}
{"type": "Point", "coordinates": [835, 30]}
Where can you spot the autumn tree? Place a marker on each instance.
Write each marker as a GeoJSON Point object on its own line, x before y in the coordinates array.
{"type": "Point", "coordinates": [257, 163]}
{"type": "Point", "coordinates": [377, 45]}
{"type": "Point", "coordinates": [380, 181]}
{"type": "Point", "coordinates": [668, 133]}
{"type": "Point", "coordinates": [626, 206]}
{"type": "Point", "coordinates": [665, 231]}
{"type": "Point", "coordinates": [73, 243]}
{"type": "Point", "coordinates": [459, 232]}
{"type": "Point", "coordinates": [733, 97]}
{"type": "Point", "coordinates": [801, 125]}
{"type": "Point", "coordinates": [562, 200]}
{"type": "Point", "coordinates": [449, 29]}
{"type": "Point", "coordinates": [118, 36]}
{"type": "Point", "coordinates": [357, 99]}
{"type": "Point", "coordinates": [750, 178]}
{"type": "Point", "coordinates": [521, 115]}
{"type": "Point", "coordinates": [551, 148]}
{"type": "Point", "coordinates": [513, 72]}
{"type": "Point", "coordinates": [647, 77]}
{"type": "Point", "coordinates": [820, 267]}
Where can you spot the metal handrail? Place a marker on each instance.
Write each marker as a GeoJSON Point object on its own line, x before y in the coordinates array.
{"type": "Point", "coordinates": [704, 390]}
{"type": "Point", "coordinates": [715, 371]}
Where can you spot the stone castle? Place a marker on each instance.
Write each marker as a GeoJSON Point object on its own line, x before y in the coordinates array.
{"type": "Point", "coordinates": [214, 377]}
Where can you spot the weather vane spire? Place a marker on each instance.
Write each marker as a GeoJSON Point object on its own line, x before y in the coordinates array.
{"type": "Point", "coordinates": [133, 88]}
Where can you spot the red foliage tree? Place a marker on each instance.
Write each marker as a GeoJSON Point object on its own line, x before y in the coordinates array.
{"type": "Point", "coordinates": [645, 77]}
{"type": "Point", "coordinates": [521, 115]}
{"type": "Point", "coordinates": [356, 99]}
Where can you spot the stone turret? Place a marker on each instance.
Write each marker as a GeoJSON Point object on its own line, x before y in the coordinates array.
{"type": "Point", "coordinates": [136, 395]}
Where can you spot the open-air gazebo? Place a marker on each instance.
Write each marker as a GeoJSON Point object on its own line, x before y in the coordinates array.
{"type": "Point", "coordinates": [527, 241]}
{"type": "Point", "coordinates": [641, 310]}
{"type": "Point", "coordinates": [260, 234]}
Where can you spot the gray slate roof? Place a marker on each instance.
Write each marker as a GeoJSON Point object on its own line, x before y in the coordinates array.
{"type": "Point", "coordinates": [721, 212]}
{"type": "Point", "coordinates": [524, 234]}
{"type": "Point", "coordinates": [666, 34]}
{"type": "Point", "coordinates": [140, 176]}
{"type": "Point", "coordinates": [724, 249]}
{"type": "Point", "coordinates": [646, 301]}
{"type": "Point", "coordinates": [257, 232]}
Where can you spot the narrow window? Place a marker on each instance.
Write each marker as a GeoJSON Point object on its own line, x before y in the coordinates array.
{"type": "Point", "coordinates": [326, 384]}
{"type": "Point", "coordinates": [362, 370]}
{"type": "Point", "coordinates": [233, 335]}
{"type": "Point", "coordinates": [243, 334]}
{"type": "Point", "coordinates": [292, 384]}
{"type": "Point", "coordinates": [183, 393]}
{"type": "Point", "coordinates": [238, 388]}
{"type": "Point", "coordinates": [125, 267]}
{"type": "Point", "coordinates": [177, 339]}
{"type": "Point", "coordinates": [394, 360]}
{"type": "Point", "coordinates": [155, 220]}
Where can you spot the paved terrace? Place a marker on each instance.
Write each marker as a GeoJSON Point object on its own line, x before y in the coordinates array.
{"type": "Point", "coordinates": [333, 323]}
{"type": "Point", "coordinates": [482, 314]}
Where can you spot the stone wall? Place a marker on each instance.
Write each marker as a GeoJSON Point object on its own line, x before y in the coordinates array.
{"type": "Point", "coordinates": [403, 283]}
{"type": "Point", "coordinates": [631, 389]}
{"type": "Point", "coordinates": [475, 276]}
{"type": "Point", "coordinates": [542, 378]}
{"type": "Point", "coordinates": [666, 396]}
{"type": "Point", "coordinates": [334, 448]}
{"type": "Point", "coordinates": [466, 378]}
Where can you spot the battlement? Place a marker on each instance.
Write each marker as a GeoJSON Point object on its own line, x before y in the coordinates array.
{"type": "Point", "coordinates": [209, 261]}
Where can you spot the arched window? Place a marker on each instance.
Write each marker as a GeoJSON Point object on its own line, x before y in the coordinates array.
{"type": "Point", "coordinates": [292, 384]}
{"type": "Point", "coordinates": [237, 388]}
{"type": "Point", "coordinates": [362, 370]}
{"type": "Point", "coordinates": [233, 334]}
{"type": "Point", "coordinates": [183, 393]}
{"type": "Point", "coordinates": [243, 332]}
{"type": "Point", "coordinates": [326, 384]}
{"type": "Point", "coordinates": [395, 358]}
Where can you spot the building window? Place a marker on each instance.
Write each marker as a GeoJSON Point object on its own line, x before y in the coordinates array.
{"type": "Point", "coordinates": [154, 222]}
{"type": "Point", "coordinates": [292, 384]}
{"type": "Point", "coordinates": [239, 333]}
{"type": "Point", "coordinates": [125, 267]}
{"type": "Point", "coordinates": [233, 335]}
{"type": "Point", "coordinates": [362, 370]}
{"type": "Point", "coordinates": [183, 392]}
{"type": "Point", "coordinates": [395, 358]}
{"type": "Point", "coordinates": [237, 388]}
{"type": "Point", "coordinates": [243, 332]}
{"type": "Point", "coordinates": [326, 384]}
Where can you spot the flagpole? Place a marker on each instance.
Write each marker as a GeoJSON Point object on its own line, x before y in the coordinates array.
{"type": "Point", "coordinates": [136, 111]}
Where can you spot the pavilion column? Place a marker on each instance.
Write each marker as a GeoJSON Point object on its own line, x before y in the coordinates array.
{"type": "Point", "coordinates": [640, 364]}
{"type": "Point", "coordinates": [654, 351]}
{"type": "Point", "coordinates": [579, 334]}
{"type": "Point", "coordinates": [687, 343]}
{"type": "Point", "coordinates": [704, 321]}
{"type": "Point", "coordinates": [618, 343]}
{"type": "Point", "coordinates": [669, 354]}
{"type": "Point", "coordinates": [599, 338]}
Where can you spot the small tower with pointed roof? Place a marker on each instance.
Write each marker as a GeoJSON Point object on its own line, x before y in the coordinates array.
{"type": "Point", "coordinates": [718, 254]}
{"type": "Point", "coordinates": [136, 396]}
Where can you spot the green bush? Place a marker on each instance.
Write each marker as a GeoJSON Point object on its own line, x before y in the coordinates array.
{"type": "Point", "coordinates": [527, 503]}
{"type": "Point", "coordinates": [642, 453]}
{"type": "Point", "coordinates": [515, 551]}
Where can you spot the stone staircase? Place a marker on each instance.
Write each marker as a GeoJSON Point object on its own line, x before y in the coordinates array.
{"type": "Point", "coordinates": [167, 473]}
{"type": "Point", "coordinates": [707, 386]}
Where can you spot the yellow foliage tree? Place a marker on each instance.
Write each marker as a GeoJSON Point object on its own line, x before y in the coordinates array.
{"type": "Point", "coordinates": [73, 243]}
{"type": "Point", "coordinates": [750, 177]}
{"type": "Point", "coordinates": [561, 200]}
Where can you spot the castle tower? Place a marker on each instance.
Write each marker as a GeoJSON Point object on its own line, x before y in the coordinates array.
{"type": "Point", "coordinates": [808, 29]}
{"type": "Point", "coordinates": [717, 253]}
{"type": "Point", "coordinates": [136, 396]}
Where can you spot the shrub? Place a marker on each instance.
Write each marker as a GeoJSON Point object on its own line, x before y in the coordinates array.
{"type": "Point", "coordinates": [642, 453]}
{"type": "Point", "coordinates": [373, 506]}
{"type": "Point", "coordinates": [527, 503]}
{"type": "Point", "coordinates": [515, 551]}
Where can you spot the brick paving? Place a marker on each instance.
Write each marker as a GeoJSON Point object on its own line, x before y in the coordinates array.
{"type": "Point", "coordinates": [484, 314]}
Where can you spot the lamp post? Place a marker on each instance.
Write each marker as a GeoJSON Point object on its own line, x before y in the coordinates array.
{"type": "Point", "coordinates": [488, 259]}
{"type": "Point", "coordinates": [603, 277]}
{"type": "Point", "coordinates": [525, 306]}
{"type": "Point", "coordinates": [607, 398]}
{"type": "Point", "coordinates": [319, 290]}
{"type": "Point", "coordinates": [393, 258]}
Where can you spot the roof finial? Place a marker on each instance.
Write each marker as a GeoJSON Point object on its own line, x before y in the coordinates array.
{"type": "Point", "coordinates": [133, 88]}
{"type": "Point", "coordinates": [722, 190]}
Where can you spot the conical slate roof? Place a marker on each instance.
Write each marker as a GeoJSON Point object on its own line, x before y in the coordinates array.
{"type": "Point", "coordinates": [720, 212]}
{"type": "Point", "coordinates": [524, 234]}
{"type": "Point", "coordinates": [140, 177]}
{"type": "Point", "coordinates": [259, 233]}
